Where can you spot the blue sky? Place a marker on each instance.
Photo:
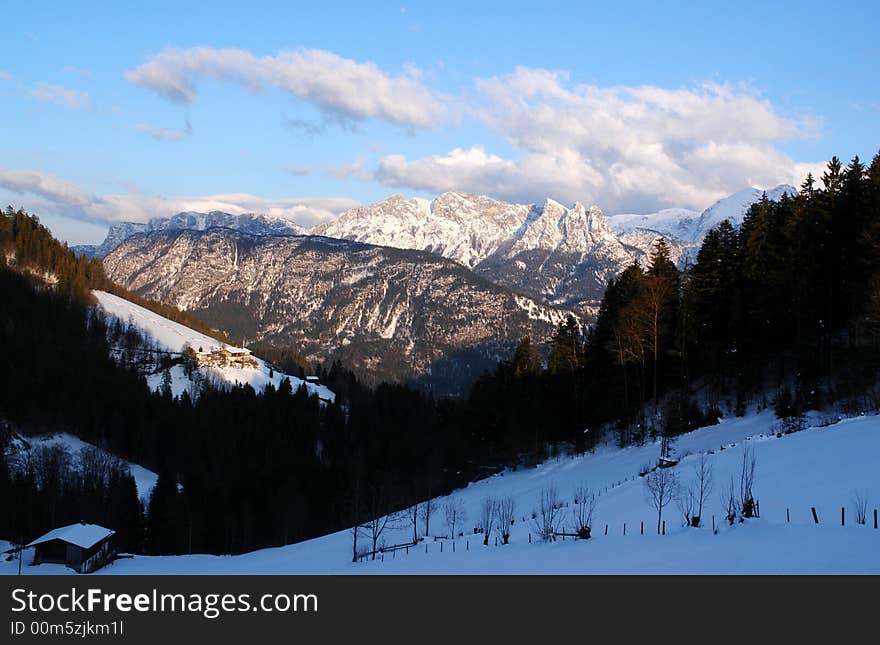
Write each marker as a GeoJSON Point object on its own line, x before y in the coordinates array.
{"type": "Point", "coordinates": [123, 112]}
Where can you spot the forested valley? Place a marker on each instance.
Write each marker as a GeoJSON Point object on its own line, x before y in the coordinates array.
{"type": "Point", "coordinates": [782, 311]}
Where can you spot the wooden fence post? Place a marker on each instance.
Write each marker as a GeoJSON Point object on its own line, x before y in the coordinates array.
{"type": "Point", "coordinates": [642, 527]}
{"type": "Point", "coordinates": [787, 516]}
{"type": "Point", "coordinates": [453, 546]}
{"type": "Point", "coordinates": [441, 547]}
{"type": "Point", "coordinates": [624, 528]}
{"type": "Point", "coordinates": [426, 547]}
{"type": "Point", "coordinates": [713, 524]}
{"type": "Point", "coordinates": [664, 527]}
{"type": "Point", "coordinates": [606, 529]}
{"type": "Point", "coordinates": [843, 516]}
{"type": "Point", "coordinates": [875, 518]}
{"type": "Point", "coordinates": [530, 538]}
{"type": "Point", "coordinates": [815, 517]}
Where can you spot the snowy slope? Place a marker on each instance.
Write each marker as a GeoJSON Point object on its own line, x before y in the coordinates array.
{"type": "Point", "coordinates": [144, 479]}
{"type": "Point", "coordinates": [173, 336]}
{"type": "Point", "coordinates": [685, 229]}
{"type": "Point", "coordinates": [679, 223]}
{"type": "Point", "coordinates": [820, 467]}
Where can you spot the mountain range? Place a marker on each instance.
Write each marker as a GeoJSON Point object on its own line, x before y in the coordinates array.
{"type": "Point", "coordinates": [392, 314]}
{"type": "Point", "coordinates": [402, 288]}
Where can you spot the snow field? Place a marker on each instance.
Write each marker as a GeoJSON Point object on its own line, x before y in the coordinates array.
{"type": "Point", "coordinates": [820, 467]}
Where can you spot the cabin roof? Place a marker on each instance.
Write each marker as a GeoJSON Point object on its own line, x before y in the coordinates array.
{"type": "Point", "coordinates": [82, 535]}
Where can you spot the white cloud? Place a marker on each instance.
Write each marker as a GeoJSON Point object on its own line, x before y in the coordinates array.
{"type": "Point", "coordinates": [164, 134]}
{"type": "Point", "coordinates": [44, 185]}
{"type": "Point", "coordinates": [341, 87]}
{"type": "Point", "coordinates": [623, 148]}
{"type": "Point", "coordinates": [457, 170]}
{"type": "Point", "coordinates": [354, 169]}
{"type": "Point", "coordinates": [5, 76]}
{"type": "Point", "coordinates": [43, 192]}
{"type": "Point", "coordinates": [61, 95]}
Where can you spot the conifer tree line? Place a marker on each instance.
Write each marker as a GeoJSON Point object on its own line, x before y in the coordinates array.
{"type": "Point", "coordinates": [28, 246]}
{"type": "Point", "coordinates": [782, 310]}
{"type": "Point", "coordinates": [238, 469]}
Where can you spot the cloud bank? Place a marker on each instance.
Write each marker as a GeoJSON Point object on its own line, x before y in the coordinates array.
{"type": "Point", "coordinates": [341, 87]}
{"type": "Point", "coordinates": [623, 148]}
{"type": "Point", "coordinates": [43, 192]}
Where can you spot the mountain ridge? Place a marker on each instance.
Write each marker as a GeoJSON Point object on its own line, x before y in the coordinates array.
{"type": "Point", "coordinates": [392, 313]}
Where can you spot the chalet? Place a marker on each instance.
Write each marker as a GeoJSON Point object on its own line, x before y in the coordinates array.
{"type": "Point", "coordinates": [226, 356]}
{"type": "Point", "coordinates": [82, 547]}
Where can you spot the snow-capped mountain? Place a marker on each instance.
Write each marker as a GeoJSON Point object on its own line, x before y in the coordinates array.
{"type": "Point", "coordinates": [733, 208]}
{"type": "Point", "coordinates": [685, 229]}
{"type": "Point", "coordinates": [389, 313]}
{"type": "Point", "coordinates": [192, 221]}
{"type": "Point", "coordinates": [561, 255]}
{"type": "Point", "coordinates": [464, 228]}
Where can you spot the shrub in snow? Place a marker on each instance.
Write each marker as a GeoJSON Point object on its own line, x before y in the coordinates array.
{"type": "Point", "coordinates": [548, 515]}
{"type": "Point", "coordinates": [504, 510]}
{"type": "Point", "coordinates": [860, 501]}
{"type": "Point", "coordinates": [582, 513]}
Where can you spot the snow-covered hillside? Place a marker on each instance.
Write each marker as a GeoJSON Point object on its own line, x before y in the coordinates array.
{"type": "Point", "coordinates": [144, 478]}
{"type": "Point", "coordinates": [821, 467]}
{"type": "Point", "coordinates": [172, 336]}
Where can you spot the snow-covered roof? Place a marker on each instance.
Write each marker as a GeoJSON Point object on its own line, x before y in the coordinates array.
{"type": "Point", "coordinates": [82, 535]}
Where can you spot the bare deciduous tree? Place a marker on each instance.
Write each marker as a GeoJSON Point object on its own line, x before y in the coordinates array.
{"type": "Point", "coordinates": [860, 501]}
{"type": "Point", "coordinates": [413, 513]}
{"type": "Point", "coordinates": [505, 509]}
{"type": "Point", "coordinates": [747, 480]}
{"type": "Point", "coordinates": [705, 482]}
{"type": "Point", "coordinates": [487, 517]}
{"type": "Point", "coordinates": [549, 511]}
{"type": "Point", "coordinates": [455, 514]}
{"type": "Point", "coordinates": [585, 502]}
{"type": "Point", "coordinates": [660, 488]}
{"type": "Point", "coordinates": [686, 500]}
{"type": "Point", "coordinates": [377, 501]}
{"type": "Point", "coordinates": [426, 511]}
{"type": "Point", "coordinates": [728, 501]}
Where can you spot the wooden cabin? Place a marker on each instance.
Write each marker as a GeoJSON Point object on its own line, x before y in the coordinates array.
{"type": "Point", "coordinates": [82, 547]}
{"type": "Point", "coordinates": [226, 356]}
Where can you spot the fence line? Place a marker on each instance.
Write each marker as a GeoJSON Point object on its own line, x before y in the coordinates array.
{"type": "Point", "coordinates": [379, 553]}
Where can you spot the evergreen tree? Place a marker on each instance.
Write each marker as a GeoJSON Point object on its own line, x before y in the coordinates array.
{"type": "Point", "coordinates": [526, 358]}
{"type": "Point", "coordinates": [163, 517]}
{"type": "Point", "coordinates": [565, 347]}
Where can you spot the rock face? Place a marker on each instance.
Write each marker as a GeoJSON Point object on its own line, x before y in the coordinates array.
{"type": "Point", "coordinates": [561, 255]}
{"type": "Point", "coordinates": [403, 288]}
{"type": "Point", "coordinates": [389, 313]}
